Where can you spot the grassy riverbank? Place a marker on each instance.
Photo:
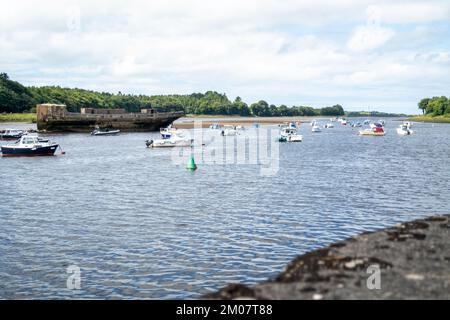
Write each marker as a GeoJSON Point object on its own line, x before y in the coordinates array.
{"type": "Point", "coordinates": [18, 117]}
{"type": "Point", "coordinates": [435, 119]}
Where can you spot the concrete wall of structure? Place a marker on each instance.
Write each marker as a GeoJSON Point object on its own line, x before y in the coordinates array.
{"type": "Point", "coordinates": [51, 117]}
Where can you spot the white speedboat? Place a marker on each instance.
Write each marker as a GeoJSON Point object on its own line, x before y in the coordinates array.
{"type": "Point", "coordinates": [376, 131]}
{"type": "Point", "coordinates": [328, 126]}
{"type": "Point", "coordinates": [316, 128]}
{"type": "Point", "coordinates": [166, 133]}
{"type": "Point", "coordinates": [215, 126]}
{"type": "Point", "coordinates": [176, 140]}
{"type": "Point", "coordinates": [229, 131]}
{"type": "Point", "coordinates": [405, 129]}
{"type": "Point", "coordinates": [107, 132]}
{"type": "Point", "coordinates": [289, 135]}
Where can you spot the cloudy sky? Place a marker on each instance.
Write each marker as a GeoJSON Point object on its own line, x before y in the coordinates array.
{"type": "Point", "coordinates": [382, 55]}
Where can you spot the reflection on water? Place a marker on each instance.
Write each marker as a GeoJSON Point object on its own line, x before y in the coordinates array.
{"type": "Point", "coordinates": [139, 226]}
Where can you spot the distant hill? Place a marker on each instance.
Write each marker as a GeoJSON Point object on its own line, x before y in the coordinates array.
{"type": "Point", "coordinates": [16, 98]}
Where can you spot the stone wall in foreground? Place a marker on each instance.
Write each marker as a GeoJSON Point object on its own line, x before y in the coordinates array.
{"type": "Point", "coordinates": [408, 261]}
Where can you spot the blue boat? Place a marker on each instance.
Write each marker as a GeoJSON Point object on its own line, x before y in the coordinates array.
{"type": "Point", "coordinates": [29, 146]}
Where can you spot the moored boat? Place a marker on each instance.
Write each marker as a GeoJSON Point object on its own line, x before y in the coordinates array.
{"type": "Point", "coordinates": [229, 131]}
{"type": "Point", "coordinates": [215, 126]}
{"type": "Point", "coordinates": [29, 146]}
{"type": "Point", "coordinates": [405, 129]}
{"type": "Point", "coordinates": [376, 131]}
{"type": "Point", "coordinates": [176, 140]}
{"type": "Point", "coordinates": [289, 135]}
{"type": "Point", "coordinates": [316, 128]}
{"type": "Point", "coordinates": [11, 134]}
{"type": "Point", "coordinates": [98, 132]}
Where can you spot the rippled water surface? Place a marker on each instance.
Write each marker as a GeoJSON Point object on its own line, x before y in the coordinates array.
{"type": "Point", "coordinates": [140, 226]}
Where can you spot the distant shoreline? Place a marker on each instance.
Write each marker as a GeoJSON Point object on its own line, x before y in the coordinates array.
{"type": "Point", "coordinates": [18, 117]}
{"type": "Point", "coordinates": [437, 119]}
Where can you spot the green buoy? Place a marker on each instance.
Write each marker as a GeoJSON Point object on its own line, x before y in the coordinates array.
{"type": "Point", "coordinates": [191, 165]}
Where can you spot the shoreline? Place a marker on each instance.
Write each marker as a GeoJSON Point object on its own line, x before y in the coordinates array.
{"type": "Point", "coordinates": [429, 119]}
{"type": "Point", "coordinates": [413, 260]}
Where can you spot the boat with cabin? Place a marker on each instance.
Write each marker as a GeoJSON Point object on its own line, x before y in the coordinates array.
{"type": "Point", "coordinates": [316, 128]}
{"type": "Point", "coordinates": [229, 130]}
{"type": "Point", "coordinates": [11, 134]}
{"type": "Point", "coordinates": [405, 129]}
{"type": "Point", "coordinates": [177, 139]}
{"type": "Point", "coordinates": [377, 130]}
{"type": "Point", "coordinates": [289, 135]}
{"type": "Point", "coordinates": [29, 146]}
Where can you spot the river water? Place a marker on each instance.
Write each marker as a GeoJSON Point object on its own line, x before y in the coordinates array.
{"type": "Point", "coordinates": [138, 225]}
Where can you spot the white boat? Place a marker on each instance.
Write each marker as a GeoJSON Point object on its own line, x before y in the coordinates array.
{"type": "Point", "coordinates": [166, 133]}
{"type": "Point", "coordinates": [316, 128]}
{"type": "Point", "coordinates": [366, 122]}
{"type": "Point", "coordinates": [328, 126]}
{"type": "Point", "coordinates": [405, 129]}
{"type": "Point", "coordinates": [289, 135]}
{"type": "Point", "coordinates": [107, 132]}
{"type": "Point", "coordinates": [215, 126]}
{"type": "Point", "coordinates": [377, 131]}
{"type": "Point", "coordinates": [176, 140]}
{"type": "Point", "coordinates": [229, 131]}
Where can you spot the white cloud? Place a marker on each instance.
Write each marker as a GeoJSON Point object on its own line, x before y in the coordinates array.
{"type": "Point", "coordinates": [366, 38]}
{"type": "Point", "coordinates": [257, 49]}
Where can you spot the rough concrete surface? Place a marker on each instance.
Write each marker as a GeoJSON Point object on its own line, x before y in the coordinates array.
{"type": "Point", "coordinates": [413, 260]}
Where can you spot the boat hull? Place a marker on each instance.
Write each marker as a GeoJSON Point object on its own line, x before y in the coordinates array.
{"type": "Point", "coordinates": [404, 132]}
{"type": "Point", "coordinates": [167, 143]}
{"type": "Point", "coordinates": [374, 134]}
{"type": "Point", "coordinates": [106, 133]}
{"type": "Point", "coordinates": [29, 152]}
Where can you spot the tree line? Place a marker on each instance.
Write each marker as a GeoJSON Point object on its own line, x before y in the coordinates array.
{"type": "Point", "coordinates": [436, 106]}
{"type": "Point", "coordinates": [16, 98]}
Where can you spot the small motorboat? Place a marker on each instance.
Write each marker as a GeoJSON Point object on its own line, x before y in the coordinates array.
{"type": "Point", "coordinates": [376, 131]}
{"type": "Point", "coordinates": [176, 140]}
{"type": "Point", "coordinates": [328, 126]}
{"type": "Point", "coordinates": [356, 125]}
{"type": "Point", "coordinates": [366, 122]}
{"type": "Point", "coordinates": [215, 126]}
{"type": "Point", "coordinates": [229, 131]}
{"type": "Point", "coordinates": [289, 135]}
{"type": "Point", "coordinates": [405, 129]}
{"type": "Point", "coordinates": [376, 125]}
{"type": "Point", "coordinates": [316, 128]}
{"type": "Point", "coordinates": [107, 132]}
{"type": "Point", "coordinates": [167, 133]}
{"type": "Point", "coordinates": [29, 146]}
{"type": "Point", "coordinates": [11, 134]}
